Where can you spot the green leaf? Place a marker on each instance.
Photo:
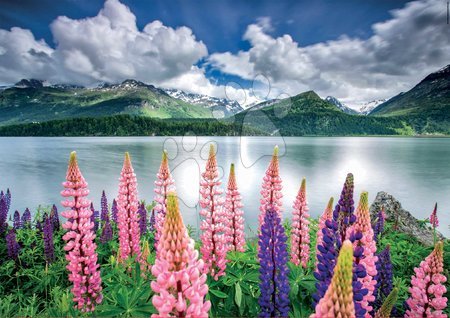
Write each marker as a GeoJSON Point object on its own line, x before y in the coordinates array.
{"type": "Point", "coordinates": [238, 295]}
{"type": "Point", "coordinates": [218, 293]}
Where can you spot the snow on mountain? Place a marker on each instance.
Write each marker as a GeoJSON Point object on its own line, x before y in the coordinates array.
{"type": "Point", "coordinates": [221, 107]}
{"type": "Point", "coordinates": [368, 107]}
{"type": "Point", "coordinates": [340, 105]}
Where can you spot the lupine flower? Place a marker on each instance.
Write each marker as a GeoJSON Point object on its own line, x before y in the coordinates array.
{"type": "Point", "coordinates": [12, 245]}
{"type": "Point", "coordinates": [214, 240]}
{"type": "Point", "coordinates": [233, 209]}
{"type": "Point", "coordinates": [94, 218]}
{"type": "Point", "coordinates": [152, 225]}
{"type": "Point", "coordinates": [55, 218]}
{"type": "Point", "coordinates": [8, 199]}
{"type": "Point", "coordinates": [104, 215]}
{"type": "Point", "coordinates": [128, 218]}
{"type": "Point", "coordinates": [328, 251]}
{"type": "Point", "coordinates": [326, 215]}
{"type": "Point", "coordinates": [378, 227]}
{"type": "Point", "coordinates": [368, 248]}
{"type": "Point", "coordinates": [433, 217]}
{"type": "Point", "coordinates": [3, 214]}
{"type": "Point", "coordinates": [39, 225]}
{"type": "Point", "coordinates": [180, 287]}
{"type": "Point", "coordinates": [142, 211]}
{"type": "Point", "coordinates": [300, 229]}
{"type": "Point", "coordinates": [80, 246]}
{"type": "Point", "coordinates": [273, 258]}
{"type": "Point", "coordinates": [26, 218]}
{"type": "Point", "coordinates": [384, 278]}
{"type": "Point", "coordinates": [271, 188]}
{"type": "Point", "coordinates": [107, 232]}
{"type": "Point", "coordinates": [388, 304]}
{"type": "Point", "coordinates": [17, 222]}
{"type": "Point", "coordinates": [114, 211]}
{"type": "Point", "coordinates": [427, 287]}
{"type": "Point", "coordinates": [163, 185]}
{"type": "Point", "coordinates": [49, 249]}
{"type": "Point", "coordinates": [338, 299]}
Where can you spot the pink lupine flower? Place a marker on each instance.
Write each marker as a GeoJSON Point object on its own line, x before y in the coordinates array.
{"type": "Point", "coordinates": [427, 287]}
{"type": "Point", "coordinates": [271, 188]}
{"type": "Point", "coordinates": [80, 246]}
{"type": "Point", "coordinates": [433, 217]}
{"type": "Point", "coordinates": [234, 214]}
{"type": "Point", "coordinates": [300, 229]}
{"type": "Point", "coordinates": [180, 287]}
{"type": "Point", "coordinates": [164, 184]}
{"type": "Point", "coordinates": [127, 215]}
{"type": "Point", "coordinates": [326, 215]}
{"type": "Point", "coordinates": [214, 240]}
{"type": "Point", "coordinates": [338, 299]}
{"type": "Point", "coordinates": [368, 258]}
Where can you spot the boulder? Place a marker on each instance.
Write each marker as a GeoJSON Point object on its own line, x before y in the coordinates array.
{"type": "Point", "coordinates": [403, 219]}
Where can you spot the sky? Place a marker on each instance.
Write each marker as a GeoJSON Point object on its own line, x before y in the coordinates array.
{"type": "Point", "coordinates": [356, 51]}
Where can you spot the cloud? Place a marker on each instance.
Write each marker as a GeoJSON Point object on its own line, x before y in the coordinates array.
{"type": "Point", "coordinates": [401, 51]}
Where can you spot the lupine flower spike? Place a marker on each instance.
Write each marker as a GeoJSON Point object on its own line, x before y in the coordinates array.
{"type": "Point", "coordinates": [338, 299]}
{"type": "Point", "coordinates": [49, 249]}
{"type": "Point", "coordinates": [104, 214]}
{"type": "Point", "coordinates": [368, 248]}
{"type": "Point", "coordinates": [114, 211]}
{"type": "Point", "coordinates": [378, 227]}
{"type": "Point", "coordinates": [233, 208]}
{"type": "Point", "coordinates": [300, 229]}
{"type": "Point", "coordinates": [271, 188]}
{"type": "Point", "coordinates": [17, 222]}
{"type": "Point", "coordinates": [55, 218]}
{"type": "Point", "coordinates": [12, 245]}
{"type": "Point", "coordinates": [142, 211]}
{"type": "Point", "coordinates": [326, 215]}
{"type": "Point", "coordinates": [214, 241]}
{"type": "Point", "coordinates": [180, 287]}
{"type": "Point", "coordinates": [26, 218]}
{"type": "Point", "coordinates": [427, 287]}
{"type": "Point", "coordinates": [80, 246]}
{"type": "Point", "coordinates": [3, 213]}
{"type": "Point", "coordinates": [94, 218]}
{"type": "Point", "coordinates": [128, 218]}
{"type": "Point", "coordinates": [434, 222]}
{"type": "Point", "coordinates": [384, 278]}
{"type": "Point", "coordinates": [273, 258]}
{"type": "Point", "coordinates": [107, 231]}
{"type": "Point", "coordinates": [388, 304]}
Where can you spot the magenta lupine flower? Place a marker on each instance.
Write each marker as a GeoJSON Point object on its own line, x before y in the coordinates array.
{"type": "Point", "coordinates": [271, 188]}
{"type": "Point", "coordinates": [214, 240]}
{"type": "Point", "coordinates": [300, 229]}
{"type": "Point", "coordinates": [49, 249]}
{"type": "Point", "coordinates": [55, 218]}
{"type": "Point", "coordinates": [104, 215]}
{"type": "Point", "coordinates": [180, 287]}
{"type": "Point", "coordinates": [114, 211]}
{"type": "Point", "coordinates": [17, 222]}
{"type": "Point", "coordinates": [235, 215]}
{"type": "Point", "coordinates": [12, 245]}
{"type": "Point", "coordinates": [80, 246]}
{"type": "Point", "coordinates": [128, 218]}
{"type": "Point", "coordinates": [433, 217]}
{"type": "Point", "coordinates": [142, 211]}
{"type": "Point", "coordinates": [326, 215]}
{"type": "Point", "coordinates": [26, 218]}
{"type": "Point", "coordinates": [273, 258]}
{"type": "Point", "coordinates": [163, 185]}
{"type": "Point", "coordinates": [427, 287]}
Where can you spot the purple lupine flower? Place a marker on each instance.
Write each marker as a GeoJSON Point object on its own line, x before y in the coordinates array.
{"type": "Point", "coordinates": [152, 221]}
{"type": "Point", "coordinates": [49, 249]}
{"type": "Point", "coordinates": [26, 218]}
{"type": "Point", "coordinates": [3, 213]}
{"type": "Point", "coordinates": [378, 227]}
{"type": "Point", "coordinates": [384, 278]}
{"type": "Point", "coordinates": [142, 212]}
{"type": "Point", "coordinates": [114, 211]}
{"type": "Point", "coordinates": [94, 218]}
{"type": "Point", "coordinates": [12, 245]}
{"type": "Point", "coordinates": [54, 217]}
{"type": "Point", "coordinates": [17, 222]}
{"type": "Point", "coordinates": [273, 258]}
{"type": "Point", "coordinates": [104, 208]}
{"type": "Point", "coordinates": [7, 198]}
{"type": "Point", "coordinates": [334, 234]}
{"type": "Point", "coordinates": [39, 223]}
{"type": "Point", "coordinates": [107, 232]}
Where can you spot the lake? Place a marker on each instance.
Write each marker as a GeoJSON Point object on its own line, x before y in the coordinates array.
{"type": "Point", "coordinates": [414, 170]}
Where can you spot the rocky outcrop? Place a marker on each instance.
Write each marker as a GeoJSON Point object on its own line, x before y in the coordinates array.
{"type": "Point", "coordinates": [402, 219]}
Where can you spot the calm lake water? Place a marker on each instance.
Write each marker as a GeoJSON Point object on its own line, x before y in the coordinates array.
{"type": "Point", "coordinates": [415, 170]}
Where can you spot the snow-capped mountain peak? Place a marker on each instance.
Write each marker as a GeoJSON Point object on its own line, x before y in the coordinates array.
{"type": "Point", "coordinates": [368, 107]}
{"type": "Point", "coordinates": [340, 105]}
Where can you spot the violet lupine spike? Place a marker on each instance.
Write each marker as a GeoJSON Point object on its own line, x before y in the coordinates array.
{"type": "Point", "coordinates": [104, 215]}
{"type": "Point", "coordinates": [326, 215]}
{"type": "Point", "coordinates": [107, 232]}
{"type": "Point", "coordinates": [17, 221]}
{"type": "Point", "coordinates": [26, 218]}
{"type": "Point", "coordinates": [271, 188]}
{"type": "Point", "coordinates": [94, 217]}
{"type": "Point", "coordinates": [300, 229]}
{"type": "Point", "coordinates": [213, 236]}
{"type": "Point", "coordinates": [235, 215]}
{"type": "Point", "coordinates": [180, 286]}
{"type": "Point", "coordinates": [163, 185]}
{"type": "Point", "coordinates": [273, 258]}
{"type": "Point", "coordinates": [80, 246]}
{"type": "Point", "coordinates": [428, 287]}
{"type": "Point", "coordinates": [142, 219]}
{"type": "Point", "coordinates": [12, 245]}
{"type": "Point", "coordinates": [49, 249]}
{"type": "Point", "coordinates": [3, 214]}
{"type": "Point", "coordinates": [114, 211]}
{"type": "Point", "coordinates": [8, 199]}
{"type": "Point", "coordinates": [378, 227]}
{"type": "Point", "coordinates": [152, 222]}
{"type": "Point", "coordinates": [128, 218]}
{"type": "Point", "coordinates": [55, 218]}
{"type": "Point", "coordinates": [384, 278]}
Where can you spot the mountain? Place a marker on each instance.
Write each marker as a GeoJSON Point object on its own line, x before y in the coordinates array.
{"type": "Point", "coordinates": [31, 101]}
{"type": "Point", "coordinates": [334, 101]}
{"type": "Point", "coordinates": [368, 107]}
{"type": "Point", "coordinates": [221, 107]}
{"type": "Point", "coordinates": [426, 106]}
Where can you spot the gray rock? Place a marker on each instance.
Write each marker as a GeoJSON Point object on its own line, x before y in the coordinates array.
{"type": "Point", "coordinates": [402, 219]}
